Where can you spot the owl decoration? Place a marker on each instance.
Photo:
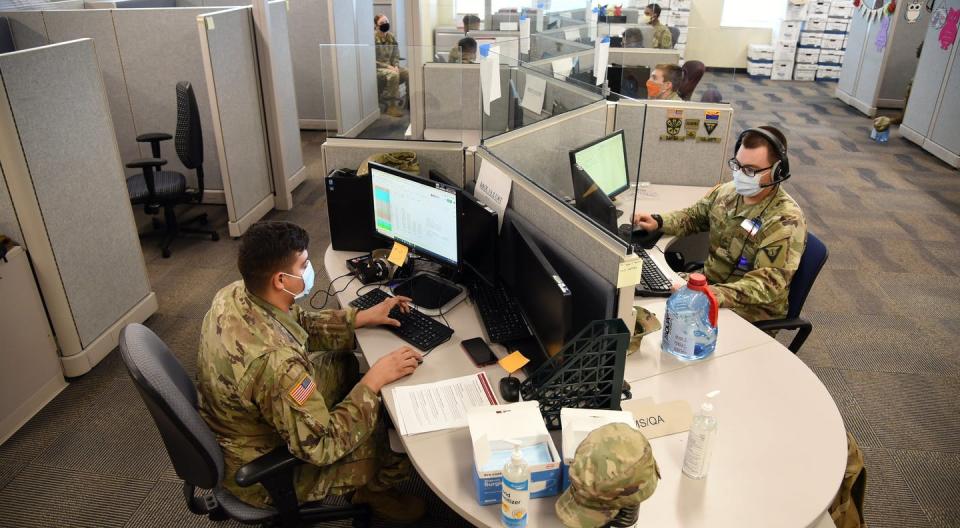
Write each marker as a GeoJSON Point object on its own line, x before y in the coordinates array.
{"type": "Point", "coordinates": [912, 12]}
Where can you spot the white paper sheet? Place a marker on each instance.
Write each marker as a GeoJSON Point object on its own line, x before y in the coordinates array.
{"type": "Point", "coordinates": [601, 55]}
{"type": "Point", "coordinates": [562, 67]}
{"type": "Point", "coordinates": [525, 35]}
{"type": "Point", "coordinates": [441, 405]}
{"type": "Point", "coordinates": [533, 92]}
{"type": "Point", "coordinates": [493, 189]}
{"type": "Point", "coordinates": [490, 76]}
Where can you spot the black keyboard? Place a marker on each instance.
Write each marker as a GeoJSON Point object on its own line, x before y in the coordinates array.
{"type": "Point", "coordinates": [653, 282]}
{"type": "Point", "coordinates": [501, 314]}
{"type": "Point", "coordinates": [415, 327]}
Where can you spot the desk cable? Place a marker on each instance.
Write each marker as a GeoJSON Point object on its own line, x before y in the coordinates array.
{"type": "Point", "coordinates": [328, 294]}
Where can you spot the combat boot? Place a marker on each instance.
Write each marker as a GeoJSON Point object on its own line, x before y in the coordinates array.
{"type": "Point", "coordinates": [394, 111]}
{"type": "Point", "coordinates": [391, 505]}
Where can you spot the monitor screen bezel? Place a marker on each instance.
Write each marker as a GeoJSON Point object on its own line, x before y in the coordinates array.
{"type": "Point", "coordinates": [426, 183]}
{"type": "Point", "coordinates": [623, 143]}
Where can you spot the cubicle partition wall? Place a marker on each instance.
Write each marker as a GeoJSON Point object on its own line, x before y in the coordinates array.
{"type": "Point", "coordinates": [352, 56]}
{"type": "Point", "coordinates": [291, 149]}
{"type": "Point", "coordinates": [65, 178]}
{"type": "Point", "coordinates": [452, 103]}
{"type": "Point", "coordinates": [227, 38]}
{"type": "Point", "coordinates": [9, 225]}
{"type": "Point", "coordinates": [27, 28]}
{"type": "Point", "coordinates": [699, 158]}
{"type": "Point", "coordinates": [348, 153]}
{"type": "Point", "coordinates": [648, 57]}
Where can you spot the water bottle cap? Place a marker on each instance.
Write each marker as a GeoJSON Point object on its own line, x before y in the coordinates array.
{"type": "Point", "coordinates": [697, 279]}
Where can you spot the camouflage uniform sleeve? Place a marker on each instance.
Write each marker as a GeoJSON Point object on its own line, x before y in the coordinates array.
{"type": "Point", "coordinates": [693, 219]}
{"type": "Point", "coordinates": [775, 262]}
{"type": "Point", "coordinates": [329, 330]}
{"type": "Point", "coordinates": [394, 51]}
{"type": "Point", "coordinates": [288, 399]}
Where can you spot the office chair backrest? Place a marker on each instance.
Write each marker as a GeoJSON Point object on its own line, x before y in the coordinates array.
{"type": "Point", "coordinates": [674, 34]}
{"type": "Point", "coordinates": [692, 73]}
{"type": "Point", "coordinates": [6, 36]}
{"type": "Point", "coordinates": [189, 137]}
{"type": "Point", "coordinates": [171, 398]}
{"type": "Point", "coordinates": [812, 261]}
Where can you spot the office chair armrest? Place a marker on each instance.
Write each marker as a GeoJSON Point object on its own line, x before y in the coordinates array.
{"type": "Point", "coordinates": [801, 325]}
{"type": "Point", "coordinates": [146, 162]}
{"type": "Point", "coordinates": [266, 466]}
{"type": "Point", "coordinates": [153, 136]}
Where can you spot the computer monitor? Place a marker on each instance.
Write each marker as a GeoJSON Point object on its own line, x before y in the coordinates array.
{"type": "Point", "coordinates": [420, 214]}
{"type": "Point", "coordinates": [592, 201]}
{"type": "Point", "coordinates": [605, 161]}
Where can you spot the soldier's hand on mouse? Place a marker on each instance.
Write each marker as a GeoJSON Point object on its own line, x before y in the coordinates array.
{"type": "Point", "coordinates": [645, 221]}
{"type": "Point", "coordinates": [380, 314]}
{"type": "Point", "coordinates": [395, 365]}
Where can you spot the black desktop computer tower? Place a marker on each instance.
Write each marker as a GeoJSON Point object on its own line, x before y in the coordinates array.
{"type": "Point", "coordinates": [350, 211]}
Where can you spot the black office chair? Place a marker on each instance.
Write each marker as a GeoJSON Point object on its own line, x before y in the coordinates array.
{"type": "Point", "coordinates": [674, 35]}
{"type": "Point", "coordinates": [156, 189]}
{"type": "Point", "coordinates": [171, 398]}
{"type": "Point", "coordinates": [693, 71]}
{"type": "Point", "coordinates": [812, 261]}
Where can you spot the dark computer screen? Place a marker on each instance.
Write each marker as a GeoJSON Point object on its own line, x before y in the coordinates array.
{"type": "Point", "coordinates": [417, 213]}
{"type": "Point", "coordinates": [592, 201]}
{"type": "Point", "coordinates": [605, 161]}
{"type": "Point", "coordinates": [478, 238]}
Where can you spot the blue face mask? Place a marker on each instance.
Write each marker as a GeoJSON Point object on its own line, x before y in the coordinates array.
{"type": "Point", "coordinates": [307, 278]}
{"type": "Point", "coordinates": [745, 185]}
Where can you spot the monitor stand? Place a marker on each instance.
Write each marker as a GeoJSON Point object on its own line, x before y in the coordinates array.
{"type": "Point", "coordinates": [430, 292]}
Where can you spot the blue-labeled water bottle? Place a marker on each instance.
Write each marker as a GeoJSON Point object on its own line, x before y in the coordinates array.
{"type": "Point", "coordinates": [690, 325]}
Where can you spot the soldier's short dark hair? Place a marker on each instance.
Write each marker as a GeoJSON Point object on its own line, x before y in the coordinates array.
{"type": "Point", "coordinates": [266, 248]}
{"type": "Point", "coordinates": [470, 21]}
{"type": "Point", "coordinates": [753, 140]}
{"type": "Point", "coordinates": [672, 74]}
{"type": "Point", "coordinates": [633, 38]}
{"type": "Point", "coordinates": [655, 8]}
{"type": "Point", "coordinates": [467, 44]}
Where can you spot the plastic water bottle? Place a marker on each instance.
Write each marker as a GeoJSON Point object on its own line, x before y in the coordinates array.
{"type": "Point", "coordinates": [690, 325]}
{"type": "Point", "coordinates": [703, 431]}
{"type": "Point", "coordinates": [515, 494]}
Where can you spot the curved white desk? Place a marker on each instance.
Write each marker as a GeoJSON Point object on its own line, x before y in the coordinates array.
{"type": "Point", "coordinates": [780, 454]}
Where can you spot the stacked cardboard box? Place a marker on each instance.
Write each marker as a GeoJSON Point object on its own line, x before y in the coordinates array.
{"type": "Point", "coordinates": [676, 13]}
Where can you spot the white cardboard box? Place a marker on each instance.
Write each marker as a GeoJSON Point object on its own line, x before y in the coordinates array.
{"type": "Point", "coordinates": [832, 41]}
{"type": "Point", "coordinates": [808, 55]}
{"type": "Point", "coordinates": [784, 51]}
{"type": "Point", "coordinates": [805, 72]}
{"type": "Point", "coordinates": [817, 16]}
{"type": "Point", "coordinates": [830, 57]}
{"type": "Point", "coordinates": [811, 40]}
{"type": "Point", "coordinates": [576, 424]}
{"type": "Point", "coordinates": [828, 73]}
{"type": "Point", "coordinates": [680, 18]}
{"type": "Point", "coordinates": [796, 12]}
{"type": "Point", "coordinates": [759, 69]}
{"type": "Point", "coordinates": [683, 5]}
{"type": "Point", "coordinates": [782, 71]}
{"type": "Point", "coordinates": [840, 11]}
{"type": "Point", "coordinates": [490, 428]}
{"type": "Point", "coordinates": [818, 7]}
{"type": "Point", "coordinates": [787, 31]}
{"type": "Point", "coordinates": [760, 52]}
{"type": "Point", "coordinates": [837, 25]}
{"type": "Point", "coordinates": [816, 24]}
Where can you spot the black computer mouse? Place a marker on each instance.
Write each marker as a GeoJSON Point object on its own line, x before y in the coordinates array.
{"type": "Point", "coordinates": [510, 389]}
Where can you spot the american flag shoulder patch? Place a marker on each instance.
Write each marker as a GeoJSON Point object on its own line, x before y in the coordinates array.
{"type": "Point", "coordinates": [303, 389]}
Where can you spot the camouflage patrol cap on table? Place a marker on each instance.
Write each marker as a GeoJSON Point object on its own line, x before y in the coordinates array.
{"type": "Point", "coordinates": [646, 322]}
{"type": "Point", "coordinates": [613, 468]}
{"type": "Point", "coordinates": [402, 160]}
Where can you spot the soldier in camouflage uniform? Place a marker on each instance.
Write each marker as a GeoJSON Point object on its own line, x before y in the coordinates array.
{"type": "Point", "coordinates": [664, 81]}
{"type": "Point", "coordinates": [613, 471]}
{"type": "Point", "coordinates": [271, 374]}
{"type": "Point", "coordinates": [389, 72]}
{"type": "Point", "coordinates": [662, 38]}
{"type": "Point", "coordinates": [757, 233]}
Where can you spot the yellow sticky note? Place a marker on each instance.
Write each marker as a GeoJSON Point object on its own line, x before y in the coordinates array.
{"type": "Point", "coordinates": [210, 26]}
{"type": "Point", "coordinates": [513, 362]}
{"type": "Point", "coordinates": [629, 272]}
{"type": "Point", "coordinates": [398, 255]}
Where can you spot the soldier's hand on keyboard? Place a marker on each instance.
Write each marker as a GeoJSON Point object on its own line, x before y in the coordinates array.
{"type": "Point", "coordinates": [380, 314]}
{"type": "Point", "coordinates": [645, 221]}
{"type": "Point", "coordinates": [395, 365]}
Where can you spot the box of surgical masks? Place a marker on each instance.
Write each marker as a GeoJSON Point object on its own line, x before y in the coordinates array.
{"type": "Point", "coordinates": [578, 423]}
{"type": "Point", "coordinates": [492, 429]}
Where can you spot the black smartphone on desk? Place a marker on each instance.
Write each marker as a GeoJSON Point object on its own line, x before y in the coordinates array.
{"type": "Point", "coordinates": [479, 351]}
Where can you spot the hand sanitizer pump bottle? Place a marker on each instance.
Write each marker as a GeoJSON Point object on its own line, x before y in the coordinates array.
{"type": "Point", "coordinates": [515, 484]}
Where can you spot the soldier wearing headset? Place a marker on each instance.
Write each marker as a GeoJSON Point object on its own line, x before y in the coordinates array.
{"type": "Point", "coordinates": [757, 231]}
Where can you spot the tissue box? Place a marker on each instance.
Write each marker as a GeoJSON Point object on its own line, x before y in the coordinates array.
{"type": "Point", "coordinates": [808, 55]}
{"type": "Point", "coordinates": [831, 41]}
{"type": "Point", "coordinates": [759, 69]}
{"type": "Point", "coordinates": [810, 40]}
{"type": "Point", "coordinates": [782, 71]}
{"type": "Point", "coordinates": [784, 51]}
{"type": "Point", "coordinates": [760, 53]}
{"type": "Point", "coordinates": [490, 428]}
{"type": "Point", "coordinates": [805, 72]}
{"type": "Point", "coordinates": [578, 423]}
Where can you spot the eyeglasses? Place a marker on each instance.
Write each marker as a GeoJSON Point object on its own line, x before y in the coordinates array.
{"type": "Point", "coordinates": [747, 171]}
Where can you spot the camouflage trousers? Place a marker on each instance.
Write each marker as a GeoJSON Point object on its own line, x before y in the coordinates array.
{"type": "Point", "coordinates": [389, 82]}
{"type": "Point", "coordinates": [372, 463]}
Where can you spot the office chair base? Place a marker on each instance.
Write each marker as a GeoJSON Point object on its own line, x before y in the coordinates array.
{"type": "Point", "coordinates": [170, 228]}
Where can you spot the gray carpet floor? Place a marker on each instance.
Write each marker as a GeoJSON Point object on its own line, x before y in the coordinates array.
{"type": "Point", "coordinates": [884, 309]}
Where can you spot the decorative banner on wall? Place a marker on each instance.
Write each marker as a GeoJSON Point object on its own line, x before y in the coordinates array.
{"type": "Point", "coordinates": [912, 13]}
{"type": "Point", "coordinates": [882, 34]}
{"type": "Point", "coordinates": [948, 33]}
{"type": "Point", "coordinates": [938, 18]}
{"type": "Point", "coordinates": [874, 10]}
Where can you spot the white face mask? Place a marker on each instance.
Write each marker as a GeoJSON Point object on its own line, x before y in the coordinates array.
{"type": "Point", "coordinates": [745, 185]}
{"type": "Point", "coordinates": [647, 19]}
{"type": "Point", "coordinates": [307, 278]}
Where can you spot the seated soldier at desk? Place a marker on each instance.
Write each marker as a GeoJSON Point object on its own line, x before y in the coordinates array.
{"type": "Point", "coordinates": [259, 389]}
{"type": "Point", "coordinates": [663, 82]}
{"type": "Point", "coordinates": [662, 38]}
{"type": "Point", "coordinates": [757, 231]}
{"type": "Point", "coordinates": [464, 52]}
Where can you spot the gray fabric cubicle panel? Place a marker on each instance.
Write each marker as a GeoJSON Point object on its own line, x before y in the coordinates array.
{"type": "Point", "coordinates": [901, 56]}
{"type": "Point", "coordinates": [239, 111]}
{"type": "Point", "coordinates": [58, 102]}
{"type": "Point", "coordinates": [138, 4]}
{"type": "Point", "coordinates": [946, 127]}
{"type": "Point", "coordinates": [871, 67]}
{"type": "Point", "coordinates": [28, 28]}
{"type": "Point", "coordinates": [444, 156]}
{"type": "Point", "coordinates": [629, 118]}
{"type": "Point", "coordinates": [9, 225]}
{"type": "Point", "coordinates": [643, 57]}
{"type": "Point", "coordinates": [689, 162]}
{"type": "Point", "coordinates": [451, 96]}
{"type": "Point", "coordinates": [348, 100]}
{"type": "Point", "coordinates": [98, 25]}
{"type": "Point", "coordinates": [158, 48]}
{"type": "Point", "coordinates": [928, 80]}
{"type": "Point", "coordinates": [309, 27]}
{"type": "Point", "coordinates": [541, 151]}
{"type": "Point", "coordinates": [291, 149]}
{"type": "Point", "coordinates": [853, 56]}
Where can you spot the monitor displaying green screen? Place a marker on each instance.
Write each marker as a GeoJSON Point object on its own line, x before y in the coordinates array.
{"type": "Point", "coordinates": [606, 164]}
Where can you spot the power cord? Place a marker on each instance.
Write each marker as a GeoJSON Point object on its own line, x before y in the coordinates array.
{"type": "Point", "coordinates": [328, 294]}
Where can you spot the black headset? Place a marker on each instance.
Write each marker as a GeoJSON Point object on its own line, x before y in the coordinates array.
{"type": "Point", "coordinates": [781, 169]}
